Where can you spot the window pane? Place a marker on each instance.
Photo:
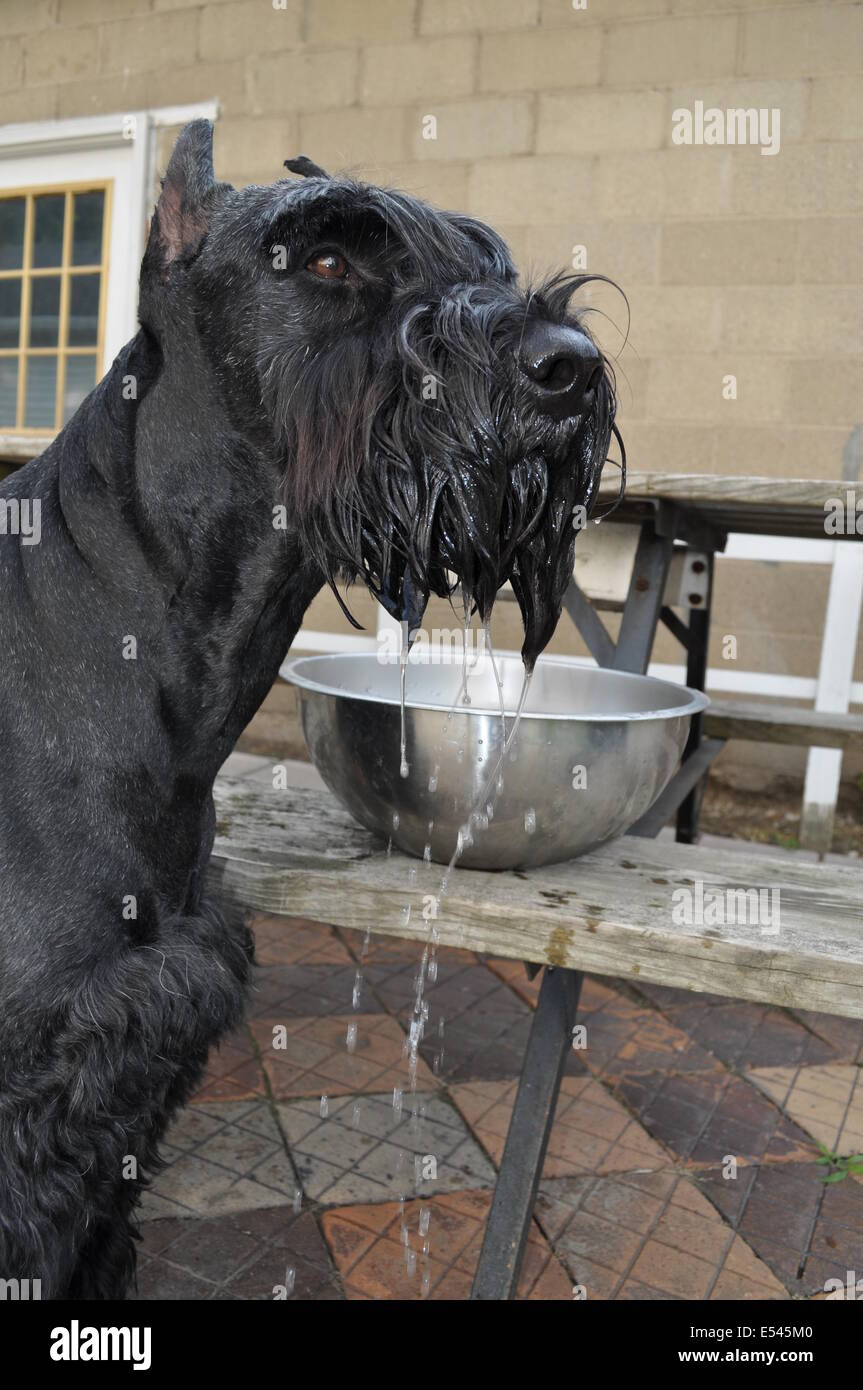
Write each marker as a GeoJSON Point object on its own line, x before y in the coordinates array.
{"type": "Point", "coordinates": [83, 310]}
{"type": "Point", "coordinates": [48, 233]}
{"type": "Point", "coordinates": [10, 312]}
{"type": "Point", "coordinates": [11, 233]}
{"type": "Point", "coordinates": [39, 409]}
{"type": "Point", "coordinates": [8, 392]}
{"type": "Point", "coordinates": [87, 228]}
{"type": "Point", "coordinates": [80, 380]}
{"type": "Point", "coordinates": [44, 310]}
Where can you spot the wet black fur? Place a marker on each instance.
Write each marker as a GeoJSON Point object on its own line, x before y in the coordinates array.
{"type": "Point", "coordinates": [254, 386]}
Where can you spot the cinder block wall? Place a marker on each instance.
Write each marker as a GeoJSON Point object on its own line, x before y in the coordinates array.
{"type": "Point", "coordinates": [555, 124]}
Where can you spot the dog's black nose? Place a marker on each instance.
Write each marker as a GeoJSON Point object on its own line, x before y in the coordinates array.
{"type": "Point", "coordinates": [563, 368]}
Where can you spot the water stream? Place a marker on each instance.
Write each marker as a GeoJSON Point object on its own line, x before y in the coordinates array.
{"type": "Point", "coordinates": [478, 818]}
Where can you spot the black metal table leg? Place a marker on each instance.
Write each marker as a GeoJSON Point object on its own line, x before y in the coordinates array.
{"type": "Point", "coordinates": [526, 1142]}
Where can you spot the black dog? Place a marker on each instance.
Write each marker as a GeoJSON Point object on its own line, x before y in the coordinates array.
{"type": "Point", "coordinates": [330, 381]}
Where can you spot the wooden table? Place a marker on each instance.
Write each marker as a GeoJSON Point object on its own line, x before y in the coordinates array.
{"type": "Point", "coordinates": [298, 852]}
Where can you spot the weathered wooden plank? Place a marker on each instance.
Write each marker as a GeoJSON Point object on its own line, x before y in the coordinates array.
{"type": "Point", "coordinates": [765, 722]}
{"type": "Point", "coordinates": [291, 829]}
{"type": "Point", "coordinates": [736, 490]}
{"type": "Point", "coordinates": [610, 912]}
{"type": "Point", "coordinates": [766, 506]}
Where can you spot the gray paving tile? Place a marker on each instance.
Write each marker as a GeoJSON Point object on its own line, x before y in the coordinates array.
{"type": "Point", "coordinates": [373, 1159]}
{"type": "Point", "coordinates": [241, 1256]}
{"type": "Point", "coordinates": [221, 1159]}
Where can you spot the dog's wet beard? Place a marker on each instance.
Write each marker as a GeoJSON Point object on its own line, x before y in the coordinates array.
{"type": "Point", "coordinates": [409, 465]}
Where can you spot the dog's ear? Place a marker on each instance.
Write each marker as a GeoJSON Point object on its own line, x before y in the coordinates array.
{"type": "Point", "coordinates": [306, 167]}
{"type": "Point", "coordinates": [189, 191]}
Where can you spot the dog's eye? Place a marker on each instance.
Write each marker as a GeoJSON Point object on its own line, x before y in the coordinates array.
{"type": "Point", "coordinates": [328, 265]}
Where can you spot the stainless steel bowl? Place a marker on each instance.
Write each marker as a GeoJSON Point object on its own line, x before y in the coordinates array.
{"type": "Point", "coordinates": [626, 732]}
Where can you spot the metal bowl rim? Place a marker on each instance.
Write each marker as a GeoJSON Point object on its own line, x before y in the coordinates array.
{"type": "Point", "coordinates": [696, 700]}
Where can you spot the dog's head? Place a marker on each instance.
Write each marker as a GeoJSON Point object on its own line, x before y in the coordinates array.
{"type": "Point", "coordinates": [437, 423]}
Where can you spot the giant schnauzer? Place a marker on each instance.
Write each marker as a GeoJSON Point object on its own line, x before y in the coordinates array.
{"type": "Point", "coordinates": [367, 369]}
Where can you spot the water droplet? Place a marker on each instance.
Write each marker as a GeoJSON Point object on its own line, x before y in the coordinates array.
{"type": "Point", "coordinates": [465, 836]}
{"type": "Point", "coordinates": [404, 770]}
{"type": "Point", "coordinates": [432, 971]}
{"type": "Point", "coordinates": [298, 1199]}
{"type": "Point", "coordinates": [433, 780]}
{"type": "Point", "coordinates": [530, 820]}
{"type": "Point", "coordinates": [355, 1116]}
{"type": "Point", "coordinates": [290, 1280]}
{"type": "Point", "coordinates": [398, 1100]}
{"type": "Point", "coordinates": [425, 1219]}
{"type": "Point", "coordinates": [352, 1037]}
{"type": "Point", "coordinates": [395, 820]}
{"type": "Point", "coordinates": [325, 1107]}
{"type": "Point", "coordinates": [412, 876]}
{"type": "Point", "coordinates": [427, 854]}
{"type": "Point", "coordinates": [358, 988]}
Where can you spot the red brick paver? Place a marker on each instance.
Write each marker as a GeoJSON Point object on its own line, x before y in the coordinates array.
{"type": "Point", "coordinates": [379, 1250]}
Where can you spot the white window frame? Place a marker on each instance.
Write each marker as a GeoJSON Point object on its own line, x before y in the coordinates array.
{"type": "Point", "coordinates": [120, 148]}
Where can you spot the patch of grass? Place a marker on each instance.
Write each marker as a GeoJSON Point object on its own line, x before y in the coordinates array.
{"type": "Point", "coordinates": [785, 841]}
{"type": "Point", "coordinates": [839, 1166]}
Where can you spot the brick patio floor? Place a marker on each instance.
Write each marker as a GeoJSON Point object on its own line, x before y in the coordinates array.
{"type": "Point", "coordinates": [682, 1163]}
